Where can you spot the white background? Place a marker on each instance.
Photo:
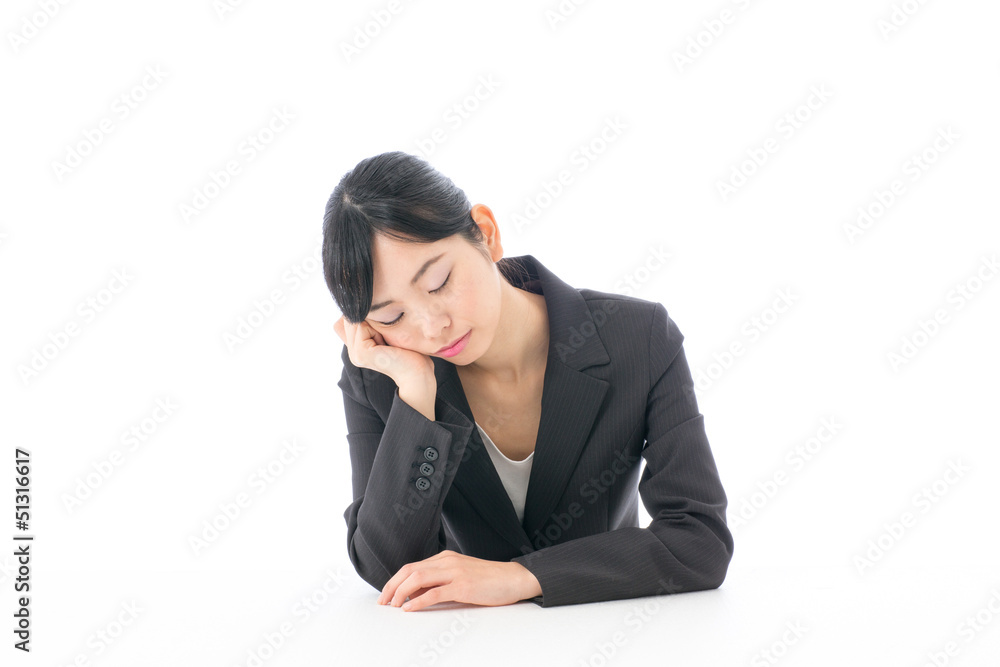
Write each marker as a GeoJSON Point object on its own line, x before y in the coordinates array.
{"type": "Point", "coordinates": [90, 193]}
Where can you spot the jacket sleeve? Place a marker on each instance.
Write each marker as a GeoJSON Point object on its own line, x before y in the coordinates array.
{"type": "Point", "coordinates": [687, 545]}
{"type": "Point", "coordinates": [395, 517]}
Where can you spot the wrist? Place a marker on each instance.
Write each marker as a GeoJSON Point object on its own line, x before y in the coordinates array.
{"type": "Point", "coordinates": [418, 384]}
{"type": "Point", "coordinates": [420, 397]}
{"type": "Point", "coordinates": [528, 586]}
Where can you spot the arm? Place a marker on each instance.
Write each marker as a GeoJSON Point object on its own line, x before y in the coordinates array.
{"type": "Point", "coordinates": [391, 522]}
{"type": "Point", "coordinates": [687, 545]}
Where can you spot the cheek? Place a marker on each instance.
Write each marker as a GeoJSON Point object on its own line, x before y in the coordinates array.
{"type": "Point", "coordinates": [400, 339]}
{"type": "Point", "coordinates": [462, 302]}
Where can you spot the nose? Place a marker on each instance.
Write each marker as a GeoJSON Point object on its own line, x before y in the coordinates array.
{"type": "Point", "coordinates": [433, 323]}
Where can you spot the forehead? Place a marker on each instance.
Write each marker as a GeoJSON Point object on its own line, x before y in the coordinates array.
{"type": "Point", "coordinates": [395, 262]}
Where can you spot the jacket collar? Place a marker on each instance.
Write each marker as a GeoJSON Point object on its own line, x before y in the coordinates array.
{"type": "Point", "coordinates": [574, 345]}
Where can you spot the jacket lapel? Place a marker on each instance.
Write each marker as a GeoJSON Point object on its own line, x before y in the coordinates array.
{"type": "Point", "coordinates": [571, 400]}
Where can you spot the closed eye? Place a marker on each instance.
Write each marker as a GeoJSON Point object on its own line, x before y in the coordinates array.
{"type": "Point", "coordinates": [433, 291]}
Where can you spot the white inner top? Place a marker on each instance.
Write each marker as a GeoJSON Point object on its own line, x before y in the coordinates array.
{"type": "Point", "coordinates": [513, 474]}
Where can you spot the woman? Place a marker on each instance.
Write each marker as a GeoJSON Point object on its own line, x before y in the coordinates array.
{"type": "Point", "coordinates": [497, 416]}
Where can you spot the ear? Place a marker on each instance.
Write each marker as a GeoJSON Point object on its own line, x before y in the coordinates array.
{"type": "Point", "coordinates": [484, 217]}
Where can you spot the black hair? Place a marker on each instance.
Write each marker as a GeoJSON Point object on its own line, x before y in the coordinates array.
{"type": "Point", "coordinates": [402, 197]}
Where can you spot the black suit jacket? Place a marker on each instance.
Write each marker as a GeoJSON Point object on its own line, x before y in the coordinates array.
{"type": "Point", "coordinates": [617, 389]}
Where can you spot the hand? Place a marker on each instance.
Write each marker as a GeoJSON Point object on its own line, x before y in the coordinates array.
{"type": "Point", "coordinates": [451, 576]}
{"type": "Point", "coordinates": [368, 349]}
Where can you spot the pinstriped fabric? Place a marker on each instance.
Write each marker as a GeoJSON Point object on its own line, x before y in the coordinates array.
{"type": "Point", "coordinates": [617, 389]}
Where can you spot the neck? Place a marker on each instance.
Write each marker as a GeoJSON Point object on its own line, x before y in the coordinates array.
{"type": "Point", "coordinates": [520, 346]}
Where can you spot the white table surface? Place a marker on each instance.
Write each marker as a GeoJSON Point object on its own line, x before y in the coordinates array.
{"type": "Point", "coordinates": [887, 617]}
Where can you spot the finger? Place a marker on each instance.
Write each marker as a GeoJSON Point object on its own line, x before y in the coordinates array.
{"type": "Point", "coordinates": [365, 333]}
{"type": "Point", "coordinates": [348, 330]}
{"type": "Point", "coordinates": [425, 577]}
{"type": "Point", "coordinates": [389, 590]}
{"type": "Point", "coordinates": [431, 597]}
{"type": "Point", "coordinates": [359, 336]}
{"type": "Point", "coordinates": [385, 596]}
{"type": "Point", "coordinates": [415, 594]}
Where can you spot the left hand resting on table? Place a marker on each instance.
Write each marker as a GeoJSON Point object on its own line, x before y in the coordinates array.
{"type": "Point", "coordinates": [451, 576]}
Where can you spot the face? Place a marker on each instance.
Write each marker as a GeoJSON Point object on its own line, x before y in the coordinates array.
{"type": "Point", "coordinates": [457, 292]}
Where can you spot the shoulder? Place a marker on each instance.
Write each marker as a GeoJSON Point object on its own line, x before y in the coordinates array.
{"type": "Point", "coordinates": [621, 305]}
{"type": "Point", "coordinates": [636, 323]}
{"type": "Point", "coordinates": [632, 312]}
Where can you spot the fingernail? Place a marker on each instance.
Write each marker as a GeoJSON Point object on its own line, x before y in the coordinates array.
{"type": "Point", "coordinates": [407, 605]}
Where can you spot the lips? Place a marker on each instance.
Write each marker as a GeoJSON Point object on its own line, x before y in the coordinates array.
{"type": "Point", "coordinates": [452, 344]}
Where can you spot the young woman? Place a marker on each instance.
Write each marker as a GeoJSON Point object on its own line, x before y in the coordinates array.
{"type": "Point", "coordinates": [497, 416]}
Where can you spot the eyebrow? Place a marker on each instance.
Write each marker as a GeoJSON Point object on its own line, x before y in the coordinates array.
{"type": "Point", "coordinates": [420, 272]}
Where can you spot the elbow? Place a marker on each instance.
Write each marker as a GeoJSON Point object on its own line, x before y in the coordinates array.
{"type": "Point", "coordinates": [713, 565]}
{"type": "Point", "coordinates": [377, 554]}
{"type": "Point", "coordinates": [713, 577]}
{"type": "Point", "coordinates": [366, 565]}
{"type": "Point", "coordinates": [697, 558]}
{"type": "Point", "coordinates": [364, 560]}
{"type": "Point", "coordinates": [705, 560]}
